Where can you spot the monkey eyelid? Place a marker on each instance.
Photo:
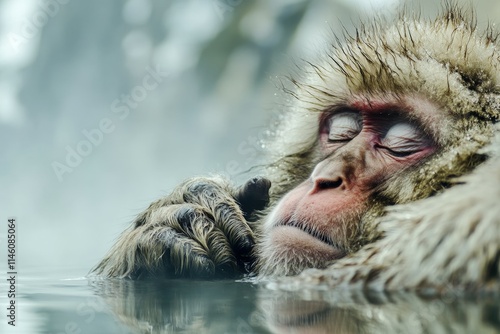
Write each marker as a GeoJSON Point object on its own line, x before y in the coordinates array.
{"type": "Point", "coordinates": [343, 126]}
{"type": "Point", "coordinates": [403, 129]}
{"type": "Point", "coordinates": [398, 153]}
{"type": "Point", "coordinates": [404, 139]}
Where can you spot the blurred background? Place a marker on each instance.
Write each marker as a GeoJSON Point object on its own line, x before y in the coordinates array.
{"type": "Point", "coordinates": [107, 105]}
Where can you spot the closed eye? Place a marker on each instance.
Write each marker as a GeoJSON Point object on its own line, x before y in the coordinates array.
{"type": "Point", "coordinates": [404, 139]}
{"type": "Point", "coordinates": [344, 126]}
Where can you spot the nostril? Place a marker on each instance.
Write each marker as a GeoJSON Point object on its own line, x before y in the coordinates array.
{"type": "Point", "coordinates": [329, 184]}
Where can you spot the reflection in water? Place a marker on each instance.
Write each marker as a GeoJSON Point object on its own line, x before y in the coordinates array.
{"type": "Point", "coordinates": [291, 315]}
{"type": "Point", "coordinates": [357, 312]}
{"type": "Point", "coordinates": [181, 306]}
{"type": "Point", "coordinates": [177, 306]}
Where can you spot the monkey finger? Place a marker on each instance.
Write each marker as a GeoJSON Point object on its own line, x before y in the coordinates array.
{"type": "Point", "coordinates": [198, 224]}
{"type": "Point", "coordinates": [225, 212]}
{"type": "Point", "coordinates": [229, 219]}
{"type": "Point", "coordinates": [184, 256]}
{"type": "Point", "coordinates": [253, 195]}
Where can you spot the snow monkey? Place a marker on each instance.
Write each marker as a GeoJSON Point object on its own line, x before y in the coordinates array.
{"type": "Point", "coordinates": [385, 171]}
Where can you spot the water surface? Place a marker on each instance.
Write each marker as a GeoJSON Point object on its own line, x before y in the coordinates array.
{"type": "Point", "coordinates": [63, 303]}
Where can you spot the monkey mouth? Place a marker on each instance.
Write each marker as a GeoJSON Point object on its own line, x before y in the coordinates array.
{"type": "Point", "coordinates": [314, 233]}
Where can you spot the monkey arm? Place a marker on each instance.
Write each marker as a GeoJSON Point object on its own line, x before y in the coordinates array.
{"type": "Point", "coordinates": [200, 230]}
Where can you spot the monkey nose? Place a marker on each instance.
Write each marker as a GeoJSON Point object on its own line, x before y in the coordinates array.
{"type": "Point", "coordinates": [320, 184]}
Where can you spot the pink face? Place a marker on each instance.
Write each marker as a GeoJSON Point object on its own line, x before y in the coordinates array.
{"type": "Point", "coordinates": [361, 146]}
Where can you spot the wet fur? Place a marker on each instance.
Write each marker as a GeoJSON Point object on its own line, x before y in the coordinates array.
{"type": "Point", "coordinates": [179, 229]}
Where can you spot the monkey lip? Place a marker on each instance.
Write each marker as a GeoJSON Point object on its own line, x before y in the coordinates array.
{"type": "Point", "coordinates": [306, 232]}
{"type": "Point", "coordinates": [312, 232]}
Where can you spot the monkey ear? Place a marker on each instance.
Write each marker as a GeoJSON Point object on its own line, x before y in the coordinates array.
{"type": "Point", "coordinates": [253, 195]}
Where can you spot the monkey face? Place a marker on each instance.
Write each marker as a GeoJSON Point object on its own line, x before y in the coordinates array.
{"type": "Point", "coordinates": [361, 146]}
{"type": "Point", "coordinates": [389, 117]}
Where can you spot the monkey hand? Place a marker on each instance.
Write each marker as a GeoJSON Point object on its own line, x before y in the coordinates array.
{"type": "Point", "coordinates": [200, 230]}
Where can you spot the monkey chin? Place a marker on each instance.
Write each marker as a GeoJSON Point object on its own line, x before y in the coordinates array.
{"type": "Point", "coordinates": [288, 250]}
